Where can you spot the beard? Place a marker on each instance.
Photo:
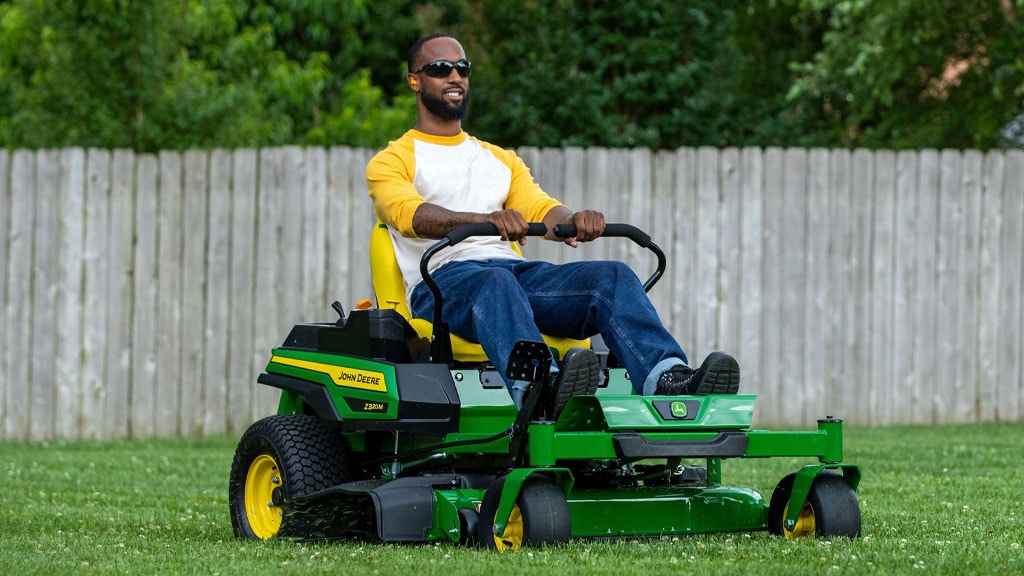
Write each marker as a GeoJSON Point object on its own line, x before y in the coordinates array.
{"type": "Point", "coordinates": [443, 110]}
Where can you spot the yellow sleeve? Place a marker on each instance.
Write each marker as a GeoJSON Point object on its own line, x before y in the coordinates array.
{"type": "Point", "coordinates": [524, 195]}
{"type": "Point", "coordinates": [389, 177]}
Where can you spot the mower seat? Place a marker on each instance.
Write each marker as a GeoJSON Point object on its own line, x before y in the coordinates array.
{"type": "Point", "coordinates": [390, 292]}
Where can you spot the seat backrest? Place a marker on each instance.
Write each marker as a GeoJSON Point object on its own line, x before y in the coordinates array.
{"type": "Point", "coordinates": [387, 276]}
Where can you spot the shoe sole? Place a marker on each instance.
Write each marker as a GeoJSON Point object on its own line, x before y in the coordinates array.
{"type": "Point", "coordinates": [721, 375]}
{"type": "Point", "coordinates": [580, 373]}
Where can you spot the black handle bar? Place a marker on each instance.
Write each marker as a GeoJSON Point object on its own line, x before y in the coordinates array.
{"type": "Point", "coordinates": [459, 234]}
{"type": "Point", "coordinates": [635, 234]}
{"type": "Point", "coordinates": [610, 230]}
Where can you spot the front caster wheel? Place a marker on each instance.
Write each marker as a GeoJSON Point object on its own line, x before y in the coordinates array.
{"type": "Point", "coordinates": [540, 516]}
{"type": "Point", "coordinates": [831, 508]}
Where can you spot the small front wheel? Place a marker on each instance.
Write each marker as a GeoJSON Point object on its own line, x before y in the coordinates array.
{"type": "Point", "coordinates": [831, 508]}
{"type": "Point", "coordinates": [540, 516]}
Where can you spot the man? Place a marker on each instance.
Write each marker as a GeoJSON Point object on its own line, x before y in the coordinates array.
{"type": "Point", "coordinates": [436, 178]}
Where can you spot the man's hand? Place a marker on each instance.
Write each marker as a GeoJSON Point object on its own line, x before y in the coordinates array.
{"type": "Point", "coordinates": [589, 226]}
{"type": "Point", "coordinates": [511, 225]}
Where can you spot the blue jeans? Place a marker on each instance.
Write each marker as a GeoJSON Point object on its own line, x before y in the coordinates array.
{"type": "Point", "coordinates": [496, 303]}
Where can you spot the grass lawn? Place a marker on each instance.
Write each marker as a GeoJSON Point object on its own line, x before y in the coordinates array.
{"type": "Point", "coordinates": [935, 500]}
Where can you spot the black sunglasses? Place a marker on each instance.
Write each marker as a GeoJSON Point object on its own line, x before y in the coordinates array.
{"type": "Point", "coordinates": [443, 68]}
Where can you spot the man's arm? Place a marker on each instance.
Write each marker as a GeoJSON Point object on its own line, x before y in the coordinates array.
{"type": "Point", "coordinates": [433, 221]}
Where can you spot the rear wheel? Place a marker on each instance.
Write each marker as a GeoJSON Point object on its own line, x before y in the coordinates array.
{"type": "Point", "coordinates": [540, 516]}
{"type": "Point", "coordinates": [831, 508]}
{"type": "Point", "coordinates": [278, 458]}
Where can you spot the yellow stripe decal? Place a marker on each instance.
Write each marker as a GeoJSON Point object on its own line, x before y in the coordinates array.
{"type": "Point", "coordinates": [341, 376]}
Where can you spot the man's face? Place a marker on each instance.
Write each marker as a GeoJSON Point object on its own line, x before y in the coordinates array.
{"type": "Point", "coordinates": [448, 97]}
{"type": "Point", "coordinates": [442, 104]}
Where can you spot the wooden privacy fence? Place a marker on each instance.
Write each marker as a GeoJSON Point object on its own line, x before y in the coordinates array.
{"type": "Point", "coordinates": [142, 293]}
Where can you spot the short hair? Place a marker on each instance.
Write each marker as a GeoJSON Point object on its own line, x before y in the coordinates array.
{"type": "Point", "coordinates": [415, 49]}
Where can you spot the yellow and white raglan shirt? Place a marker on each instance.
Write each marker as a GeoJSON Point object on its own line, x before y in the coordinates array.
{"type": "Point", "coordinates": [459, 173]}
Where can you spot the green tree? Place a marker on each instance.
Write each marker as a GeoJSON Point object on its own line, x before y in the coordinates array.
{"type": "Point", "coordinates": [599, 72]}
{"type": "Point", "coordinates": [83, 73]}
{"type": "Point", "coordinates": [202, 73]}
{"type": "Point", "coordinates": [913, 73]}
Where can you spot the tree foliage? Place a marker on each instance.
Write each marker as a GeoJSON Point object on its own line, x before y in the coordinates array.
{"type": "Point", "coordinates": [198, 73]}
{"type": "Point", "coordinates": [625, 73]}
{"type": "Point", "coordinates": [654, 73]}
{"type": "Point", "coordinates": [913, 73]}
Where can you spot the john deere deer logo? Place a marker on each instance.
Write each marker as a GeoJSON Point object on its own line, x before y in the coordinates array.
{"type": "Point", "coordinates": [678, 409]}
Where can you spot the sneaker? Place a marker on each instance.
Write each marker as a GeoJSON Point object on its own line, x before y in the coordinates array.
{"type": "Point", "coordinates": [718, 374]}
{"type": "Point", "coordinates": [579, 373]}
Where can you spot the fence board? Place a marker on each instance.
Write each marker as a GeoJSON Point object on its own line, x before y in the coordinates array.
{"type": "Point", "coordinates": [966, 406]}
{"type": "Point", "coordinates": [662, 227]}
{"type": "Point", "coordinates": [314, 234]}
{"type": "Point", "coordinates": [362, 225]}
{"type": "Point", "coordinates": [751, 265]}
{"type": "Point", "coordinates": [146, 297]}
{"type": "Point", "coordinates": [638, 206]}
{"type": "Point", "coordinates": [596, 196]}
{"type": "Point", "coordinates": [341, 247]}
{"type": "Point", "coordinates": [193, 279]}
{"type": "Point", "coordinates": [927, 294]}
{"type": "Point", "coordinates": [838, 388]}
{"type": "Point", "coordinates": [97, 288]}
{"type": "Point", "coordinates": [550, 174]}
{"type": "Point", "coordinates": [704, 272]}
{"type": "Point", "coordinates": [44, 291]}
{"type": "Point", "coordinates": [71, 238]}
{"type": "Point", "coordinates": [574, 195]}
{"type": "Point", "coordinates": [120, 291]}
{"type": "Point", "coordinates": [244, 362]}
{"type": "Point", "coordinates": [771, 364]}
{"type": "Point", "coordinates": [269, 277]}
{"type": "Point", "coordinates": [19, 290]}
{"type": "Point", "coordinates": [1011, 282]}
{"type": "Point", "coordinates": [862, 196]}
{"type": "Point", "coordinates": [217, 332]}
{"type": "Point", "coordinates": [877, 286]}
{"type": "Point", "coordinates": [989, 283]}
{"type": "Point", "coordinates": [730, 274]}
{"type": "Point", "coordinates": [904, 379]}
{"type": "Point", "coordinates": [881, 301]}
{"type": "Point", "coordinates": [818, 272]}
{"type": "Point", "coordinates": [792, 264]}
{"type": "Point", "coordinates": [169, 274]}
{"type": "Point", "coordinates": [950, 225]}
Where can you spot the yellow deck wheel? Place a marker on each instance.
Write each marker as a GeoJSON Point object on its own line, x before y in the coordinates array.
{"type": "Point", "coordinates": [512, 537]}
{"type": "Point", "coordinates": [805, 525]}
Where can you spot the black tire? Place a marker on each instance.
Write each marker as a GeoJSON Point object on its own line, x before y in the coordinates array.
{"type": "Point", "coordinates": [469, 522]}
{"type": "Point", "coordinates": [281, 457]}
{"type": "Point", "coordinates": [831, 509]}
{"type": "Point", "coordinates": [541, 516]}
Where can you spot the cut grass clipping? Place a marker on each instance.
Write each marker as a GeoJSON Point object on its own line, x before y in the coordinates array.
{"type": "Point", "coordinates": [935, 500]}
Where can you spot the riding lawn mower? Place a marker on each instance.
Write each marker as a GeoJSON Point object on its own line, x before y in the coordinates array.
{"type": "Point", "coordinates": [389, 428]}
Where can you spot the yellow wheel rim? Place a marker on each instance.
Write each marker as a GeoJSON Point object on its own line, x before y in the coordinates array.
{"type": "Point", "coordinates": [512, 537]}
{"type": "Point", "coordinates": [263, 515]}
{"type": "Point", "coordinates": [805, 525]}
